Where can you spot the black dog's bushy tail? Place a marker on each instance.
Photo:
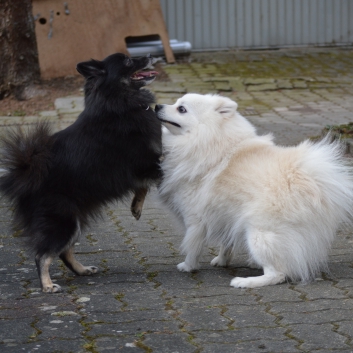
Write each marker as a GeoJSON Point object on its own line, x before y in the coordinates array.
{"type": "Point", "coordinates": [26, 159]}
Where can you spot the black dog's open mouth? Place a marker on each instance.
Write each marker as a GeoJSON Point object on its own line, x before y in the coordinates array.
{"type": "Point", "coordinates": [169, 122]}
{"type": "Point", "coordinates": [147, 76]}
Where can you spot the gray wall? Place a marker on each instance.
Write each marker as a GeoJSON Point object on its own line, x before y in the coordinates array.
{"type": "Point", "coordinates": [214, 24]}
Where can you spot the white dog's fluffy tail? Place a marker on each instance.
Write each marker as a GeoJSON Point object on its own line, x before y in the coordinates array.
{"type": "Point", "coordinates": [325, 163]}
{"type": "Point", "coordinates": [333, 174]}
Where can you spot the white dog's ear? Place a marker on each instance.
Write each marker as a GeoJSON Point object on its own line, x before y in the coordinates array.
{"type": "Point", "coordinates": [227, 107]}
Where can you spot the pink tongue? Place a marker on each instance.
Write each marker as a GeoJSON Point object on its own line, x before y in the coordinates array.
{"type": "Point", "coordinates": [147, 73]}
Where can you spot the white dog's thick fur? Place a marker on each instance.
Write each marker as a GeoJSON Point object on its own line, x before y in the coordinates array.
{"type": "Point", "coordinates": [233, 188]}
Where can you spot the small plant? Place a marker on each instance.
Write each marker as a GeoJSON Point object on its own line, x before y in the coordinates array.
{"type": "Point", "coordinates": [151, 275]}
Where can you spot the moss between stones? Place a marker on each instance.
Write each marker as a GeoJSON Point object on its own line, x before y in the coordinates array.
{"type": "Point", "coordinates": [343, 131]}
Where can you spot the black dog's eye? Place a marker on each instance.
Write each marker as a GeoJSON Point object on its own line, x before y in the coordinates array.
{"type": "Point", "coordinates": [128, 62]}
{"type": "Point", "coordinates": [181, 109]}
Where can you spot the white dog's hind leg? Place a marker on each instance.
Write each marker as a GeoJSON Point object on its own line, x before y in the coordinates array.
{"type": "Point", "coordinates": [223, 258]}
{"type": "Point", "coordinates": [270, 277]}
{"type": "Point", "coordinates": [266, 249]}
{"type": "Point", "coordinates": [192, 246]}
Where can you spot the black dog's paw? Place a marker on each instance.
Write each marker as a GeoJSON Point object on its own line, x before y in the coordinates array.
{"type": "Point", "coordinates": [89, 270]}
{"type": "Point", "coordinates": [54, 288]}
{"type": "Point", "coordinates": [136, 212]}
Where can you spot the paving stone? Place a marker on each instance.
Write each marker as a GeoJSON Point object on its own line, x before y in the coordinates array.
{"type": "Point", "coordinates": [169, 343]}
{"type": "Point", "coordinates": [211, 301]}
{"type": "Point", "coordinates": [204, 318]}
{"type": "Point", "coordinates": [318, 337]}
{"type": "Point", "coordinates": [55, 345]}
{"type": "Point", "coordinates": [68, 117]}
{"type": "Point", "coordinates": [69, 104]}
{"type": "Point", "coordinates": [16, 331]}
{"type": "Point", "coordinates": [168, 88]}
{"type": "Point", "coordinates": [150, 300]}
{"type": "Point", "coordinates": [341, 351]}
{"type": "Point", "coordinates": [345, 327]}
{"type": "Point", "coordinates": [311, 306]}
{"type": "Point", "coordinates": [241, 335]}
{"type": "Point", "coordinates": [209, 276]}
{"type": "Point", "coordinates": [112, 286]}
{"type": "Point", "coordinates": [340, 271]}
{"type": "Point", "coordinates": [344, 283]}
{"type": "Point", "coordinates": [61, 327]}
{"type": "Point", "coordinates": [130, 316]}
{"type": "Point", "coordinates": [35, 306]}
{"type": "Point", "coordinates": [323, 79]}
{"type": "Point", "coordinates": [200, 88]}
{"type": "Point", "coordinates": [262, 87]}
{"type": "Point", "coordinates": [103, 303]}
{"type": "Point", "coordinates": [258, 81]}
{"type": "Point", "coordinates": [176, 280]}
{"type": "Point", "coordinates": [222, 86]}
{"type": "Point", "coordinates": [299, 84]}
{"type": "Point", "coordinates": [135, 328]}
{"type": "Point", "coordinates": [284, 84]}
{"type": "Point", "coordinates": [12, 121]}
{"type": "Point", "coordinates": [11, 290]}
{"type": "Point", "coordinates": [237, 84]}
{"type": "Point", "coordinates": [153, 249]}
{"type": "Point", "coordinates": [249, 316]}
{"type": "Point", "coordinates": [321, 290]}
{"type": "Point", "coordinates": [118, 344]}
{"type": "Point", "coordinates": [277, 294]}
{"type": "Point", "coordinates": [318, 317]}
{"type": "Point", "coordinates": [258, 346]}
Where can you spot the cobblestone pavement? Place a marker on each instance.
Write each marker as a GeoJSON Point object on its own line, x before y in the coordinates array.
{"type": "Point", "coordinates": [139, 302]}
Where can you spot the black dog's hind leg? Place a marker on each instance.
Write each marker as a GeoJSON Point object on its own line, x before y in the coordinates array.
{"type": "Point", "coordinates": [137, 202]}
{"type": "Point", "coordinates": [43, 263]}
{"type": "Point", "coordinates": [75, 266]}
{"type": "Point", "coordinates": [61, 231]}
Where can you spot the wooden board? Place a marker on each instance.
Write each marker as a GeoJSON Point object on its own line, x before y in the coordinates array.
{"type": "Point", "coordinates": [92, 29]}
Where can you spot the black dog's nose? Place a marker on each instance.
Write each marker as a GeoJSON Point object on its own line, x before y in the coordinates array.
{"type": "Point", "coordinates": [158, 107]}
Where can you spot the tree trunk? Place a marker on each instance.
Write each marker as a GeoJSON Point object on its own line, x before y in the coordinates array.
{"type": "Point", "coordinates": [19, 65]}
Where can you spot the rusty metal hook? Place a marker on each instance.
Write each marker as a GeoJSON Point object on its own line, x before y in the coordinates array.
{"type": "Point", "coordinates": [67, 11]}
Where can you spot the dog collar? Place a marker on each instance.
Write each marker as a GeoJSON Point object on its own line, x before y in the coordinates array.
{"type": "Point", "coordinates": [146, 107]}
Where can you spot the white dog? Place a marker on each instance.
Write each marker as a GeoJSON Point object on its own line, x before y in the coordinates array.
{"type": "Point", "coordinates": [233, 188]}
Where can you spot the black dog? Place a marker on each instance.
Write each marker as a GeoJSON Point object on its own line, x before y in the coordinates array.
{"type": "Point", "coordinates": [58, 182]}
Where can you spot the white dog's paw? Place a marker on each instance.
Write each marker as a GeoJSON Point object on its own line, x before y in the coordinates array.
{"type": "Point", "coordinates": [183, 267]}
{"type": "Point", "coordinates": [220, 261]}
{"type": "Point", "coordinates": [259, 281]}
{"type": "Point", "coordinates": [244, 282]}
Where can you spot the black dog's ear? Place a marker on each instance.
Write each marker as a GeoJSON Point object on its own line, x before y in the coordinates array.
{"type": "Point", "coordinates": [92, 68]}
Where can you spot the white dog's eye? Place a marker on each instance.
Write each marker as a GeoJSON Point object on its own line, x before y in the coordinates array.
{"type": "Point", "coordinates": [181, 109]}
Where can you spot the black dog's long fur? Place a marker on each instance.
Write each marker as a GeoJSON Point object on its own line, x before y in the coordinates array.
{"type": "Point", "coordinates": [58, 182]}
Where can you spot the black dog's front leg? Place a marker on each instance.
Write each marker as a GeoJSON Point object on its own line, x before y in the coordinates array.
{"type": "Point", "coordinates": [137, 202]}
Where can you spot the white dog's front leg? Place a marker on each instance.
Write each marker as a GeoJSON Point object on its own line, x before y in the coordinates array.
{"type": "Point", "coordinates": [192, 246]}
